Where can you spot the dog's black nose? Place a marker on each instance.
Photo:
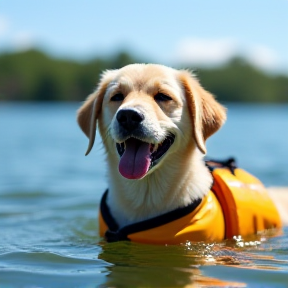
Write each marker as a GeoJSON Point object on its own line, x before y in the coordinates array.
{"type": "Point", "coordinates": [129, 119]}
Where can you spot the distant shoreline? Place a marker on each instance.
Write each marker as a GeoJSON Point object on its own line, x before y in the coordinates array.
{"type": "Point", "coordinates": [35, 76]}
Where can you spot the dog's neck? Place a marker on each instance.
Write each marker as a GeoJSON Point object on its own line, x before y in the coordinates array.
{"type": "Point", "coordinates": [172, 186]}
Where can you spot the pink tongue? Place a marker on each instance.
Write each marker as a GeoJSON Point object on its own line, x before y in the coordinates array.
{"type": "Point", "coordinates": [135, 161]}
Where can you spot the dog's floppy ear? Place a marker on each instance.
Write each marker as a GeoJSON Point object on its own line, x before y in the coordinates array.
{"type": "Point", "coordinates": [206, 114]}
{"type": "Point", "coordinates": [89, 112]}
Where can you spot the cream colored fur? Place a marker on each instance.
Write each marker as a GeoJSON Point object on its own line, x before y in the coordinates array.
{"type": "Point", "coordinates": [192, 116]}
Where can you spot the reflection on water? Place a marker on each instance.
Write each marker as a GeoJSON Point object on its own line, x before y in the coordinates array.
{"type": "Point", "coordinates": [178, 266]}
{"type": "Point", "coordinates": [49, 203]}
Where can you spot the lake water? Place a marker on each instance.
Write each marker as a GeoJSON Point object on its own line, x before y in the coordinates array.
{"type": "Point", "coordinates": [49, 198]}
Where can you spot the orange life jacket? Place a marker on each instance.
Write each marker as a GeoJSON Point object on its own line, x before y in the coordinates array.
{"type": "Point", "coordinates": [238, 204]}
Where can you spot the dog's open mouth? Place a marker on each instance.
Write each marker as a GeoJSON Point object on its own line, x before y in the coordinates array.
{"type": "Point", "coordinates": [138, 157]}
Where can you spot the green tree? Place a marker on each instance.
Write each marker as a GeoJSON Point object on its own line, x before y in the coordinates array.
{"type": "Point", "coordinates": [34, 76]}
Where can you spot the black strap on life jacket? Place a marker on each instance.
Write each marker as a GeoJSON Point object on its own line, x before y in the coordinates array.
{"type": "Point", "coordinates": [230, 163]}
{"type": "Point", "coordinates": [114, 234]}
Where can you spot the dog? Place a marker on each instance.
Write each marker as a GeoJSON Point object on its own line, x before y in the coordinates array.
{"type": "Point", "coordinates": [154, 122]}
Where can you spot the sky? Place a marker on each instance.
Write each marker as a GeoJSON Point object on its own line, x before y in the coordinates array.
{"type": "Point", "coordinates": [194, 32]}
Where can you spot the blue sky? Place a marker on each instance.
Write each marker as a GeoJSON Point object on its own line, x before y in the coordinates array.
{"type": "Point", "coordinates": [199, 32]}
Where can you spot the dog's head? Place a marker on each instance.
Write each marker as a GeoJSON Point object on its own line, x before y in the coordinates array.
{"type": "Point", "coordinates": [146, 112]}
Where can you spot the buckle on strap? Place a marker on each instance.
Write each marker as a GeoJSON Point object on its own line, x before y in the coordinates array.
{"type": "Point", "coordinates": [230, 163]}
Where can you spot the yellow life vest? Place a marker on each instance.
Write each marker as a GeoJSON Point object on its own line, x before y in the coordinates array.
{"type": "Point", "coordinates": [237, 204]}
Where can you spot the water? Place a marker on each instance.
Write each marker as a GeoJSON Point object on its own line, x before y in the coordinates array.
{"type": "Point", "coordinates": [50, 192]}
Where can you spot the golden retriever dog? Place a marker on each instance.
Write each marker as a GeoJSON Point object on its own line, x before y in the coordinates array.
{"type": "Point", "coordinates": [154, 121]}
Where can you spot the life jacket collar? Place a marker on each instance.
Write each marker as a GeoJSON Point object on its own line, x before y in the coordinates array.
{"type": "Point", "coordinates": [114, 234]}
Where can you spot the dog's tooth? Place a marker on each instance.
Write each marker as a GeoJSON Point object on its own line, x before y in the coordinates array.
{"type": "Point", "coordinates": [155, 147]}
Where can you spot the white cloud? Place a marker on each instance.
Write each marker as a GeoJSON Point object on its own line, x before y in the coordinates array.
{"type": "Point", "coordinates": [262, 57]}
{"type": "Point", "coordinates": [4, 25]}
{"type": "Point", "coordinates": [211, 52]}
{"type": "Point", "coordinates": [205, 51]}
{"type": "Point", "coordinates": [22, 41]}
{"type": "Point", "coordinates": [14, 39]}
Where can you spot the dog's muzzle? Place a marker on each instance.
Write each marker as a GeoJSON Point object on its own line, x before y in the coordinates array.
{"type": "Point", "coordinates": [137, 155]}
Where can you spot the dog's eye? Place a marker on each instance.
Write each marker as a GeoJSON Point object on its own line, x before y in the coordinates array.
{"type": "Point", "coordinates": [162, 97]}
{"type": "Point", "coordinates": [117, 97]}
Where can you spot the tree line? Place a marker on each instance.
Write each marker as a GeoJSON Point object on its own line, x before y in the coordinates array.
{"type": "Point", "coordinates": [34, 76]}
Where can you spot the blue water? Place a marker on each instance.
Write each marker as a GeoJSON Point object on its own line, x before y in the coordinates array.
{"type": "Point", "coordinates": [49, 197]}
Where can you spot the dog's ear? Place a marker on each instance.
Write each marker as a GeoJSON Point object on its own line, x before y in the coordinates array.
{"type": "Point", "coordinates": [89, 112]}
{"type": "Point", "coordinates": [206, 114]}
